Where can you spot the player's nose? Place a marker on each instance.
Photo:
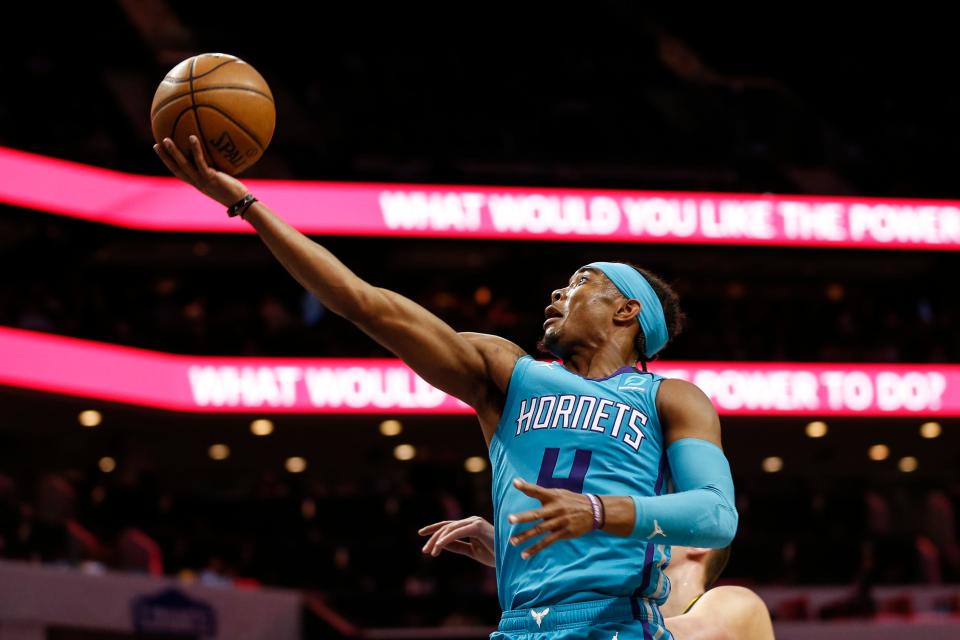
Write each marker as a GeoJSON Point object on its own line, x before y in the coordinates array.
{"type": "Point", "coordinates": [557, 295]}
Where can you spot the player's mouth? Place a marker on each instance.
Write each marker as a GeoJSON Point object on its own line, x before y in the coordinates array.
{"type": "Point", "coordinates": [552, 314]}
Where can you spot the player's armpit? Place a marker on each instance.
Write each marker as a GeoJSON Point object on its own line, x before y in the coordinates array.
{"type": "Point", "coordinates": [500, 355]}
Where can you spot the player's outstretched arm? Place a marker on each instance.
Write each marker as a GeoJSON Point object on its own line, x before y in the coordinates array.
{"type": "Point", "coordinates": [467, 366]}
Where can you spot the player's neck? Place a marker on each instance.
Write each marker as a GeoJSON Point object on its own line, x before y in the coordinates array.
{"type": "Point", "coordinates": [599, 362]}
{"type": "Point", "coordinates": [686, 583]}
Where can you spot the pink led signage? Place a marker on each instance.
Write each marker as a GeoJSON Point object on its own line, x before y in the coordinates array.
{"type": "Point", "coordinates": [363, 209]}
{"type": "Point", "coordinates": [93, 370]}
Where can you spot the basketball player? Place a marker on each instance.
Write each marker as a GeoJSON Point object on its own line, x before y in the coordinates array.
{"type": "Point", "coordinates": [695, 610]}
{"type": "Point", "coordinates": [558, 434]}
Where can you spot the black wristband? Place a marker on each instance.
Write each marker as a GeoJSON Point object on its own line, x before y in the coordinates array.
{"type": "Point", "coordinates": [240, 206]}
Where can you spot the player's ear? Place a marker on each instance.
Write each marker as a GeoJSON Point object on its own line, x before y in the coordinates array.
{"type": "Point", "coordinates": [627, 310]}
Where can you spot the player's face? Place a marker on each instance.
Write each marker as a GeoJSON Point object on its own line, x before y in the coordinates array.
{"type": "Point", "coordinates": [580, 314]}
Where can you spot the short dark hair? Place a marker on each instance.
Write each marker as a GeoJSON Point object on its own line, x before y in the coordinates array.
{"type": "Point", "coordinates": [716, 561]}
{"type": "Point", "coordinates": [672, 313]}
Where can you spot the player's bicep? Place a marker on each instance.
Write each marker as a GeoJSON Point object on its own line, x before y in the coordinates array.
{"type": "Point", "coordinates": [428, 345]}
{"type": "Point", "coordinates": [687, 412]}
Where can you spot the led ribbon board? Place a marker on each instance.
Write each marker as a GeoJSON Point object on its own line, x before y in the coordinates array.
{"type": "Point", "coordinates": [364, 209]}
{"type": "Point", "coordinates": [200, 384]}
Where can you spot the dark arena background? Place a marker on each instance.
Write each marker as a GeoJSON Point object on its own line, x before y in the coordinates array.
{"type": "Point", "coordinates": [192, 446]}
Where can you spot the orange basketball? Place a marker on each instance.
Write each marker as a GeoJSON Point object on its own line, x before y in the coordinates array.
{"type": "Point", "coordinates": [224, 102]}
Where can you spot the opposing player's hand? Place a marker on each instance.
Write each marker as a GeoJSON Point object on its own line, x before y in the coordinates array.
{"type": "Point", "coordinates": [564, 515]}
{"type": "Point", "coordinates": [471, 537]}
{"type": "Point", "coordinates": [195, 171]}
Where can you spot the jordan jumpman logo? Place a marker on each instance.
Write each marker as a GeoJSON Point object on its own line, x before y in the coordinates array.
{"type": "Point", "coordinates": [657, 531]}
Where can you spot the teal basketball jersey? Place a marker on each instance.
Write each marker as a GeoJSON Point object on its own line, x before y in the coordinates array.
{"type": "Point", "coordinates": [600, 436]}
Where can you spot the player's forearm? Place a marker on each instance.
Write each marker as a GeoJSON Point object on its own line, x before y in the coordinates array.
{"type": "Point", "coordinates": [423, 341]}
{"type": "Point", "coordinates": [701, 513]}
{"type": "Point", "coordinates": [314, 267]}
{"type": "Point", "coordinates": [696, 518]}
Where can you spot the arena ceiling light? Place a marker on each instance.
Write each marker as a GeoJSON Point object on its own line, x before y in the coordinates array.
{"type": "Point", "coordinates": [878, 452]}
{"type": "Point", "coordinates": [404, 452]}
{"type": "Point", "coordinates": [90, 418]}
{"type": "Point", "coordinates": [391, 428]}
{"type": "Point", "coordinates": [908, 464]}
{"type": "Point", "coordinates": [930, 430]}
{"type": "Point", "coordinates": [261, 427]}
{"type": "Point", "coordinates": [475, 464]}
{"type": "Point", "coordinates": [816, 429]}
{"type": "Point", "coordinates": [218, 451]}
{"type": "Point", "coordinates": [772, 464]}
{"type": "Point", "coordinates": [295, 464]}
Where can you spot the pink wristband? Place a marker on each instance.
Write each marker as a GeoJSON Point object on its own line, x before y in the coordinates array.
{"type": "Point", "coordinates": [598, 515]}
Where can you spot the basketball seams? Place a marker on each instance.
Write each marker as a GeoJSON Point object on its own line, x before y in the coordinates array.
{"type": "Point", "coordinates": [240, 126]}
{"type": "Point", "coordinates": [196, 116]}
{"type": "Point", "coordinates": [231, 87]}
{"type": "Point", "coordinates": [192, 77]}
{"type": "Point", "coordinates": [234, 87]}
{"type": "Point", "coordinates": [176, 122]}
{"type": "Point", "coordinates": [166, 102]}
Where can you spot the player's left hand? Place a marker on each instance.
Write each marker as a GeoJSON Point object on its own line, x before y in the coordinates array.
{"type": "Point", "coordinates": [220, 186]}
{"type": "Point", "coordinates": [472, 537]}
{"type": "Point", "coordinates": [564, 515]}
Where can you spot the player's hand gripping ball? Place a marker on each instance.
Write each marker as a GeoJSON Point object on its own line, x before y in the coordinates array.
{"type": "Point", "coordinates": [222, 101]}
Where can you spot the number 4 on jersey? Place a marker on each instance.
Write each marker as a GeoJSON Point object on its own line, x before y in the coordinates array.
{"type": "Point", "coordinates": [578, 472]}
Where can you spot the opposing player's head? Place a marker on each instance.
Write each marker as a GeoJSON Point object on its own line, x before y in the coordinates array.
{"type": "Point", "coordinates": [707, 564]}
{"type": "Point", "coordinates": [612, 301]}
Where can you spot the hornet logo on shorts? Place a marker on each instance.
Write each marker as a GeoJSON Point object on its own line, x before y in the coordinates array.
{"type": "Point", "coordinates": [539, 616]}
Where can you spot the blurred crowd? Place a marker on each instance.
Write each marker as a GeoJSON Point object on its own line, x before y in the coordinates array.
{"type": "Point", "coordinates": [227, 296]}
{"type": "Point", "coordinates": [727, 318]}
{"type": "Point", "coordinates": [356, 538]}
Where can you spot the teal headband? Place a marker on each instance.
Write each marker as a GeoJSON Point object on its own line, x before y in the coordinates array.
{"type": "Point", "coordinates": [633, 285]}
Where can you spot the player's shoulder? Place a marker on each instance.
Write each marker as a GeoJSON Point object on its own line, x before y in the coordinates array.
{"type": "Point", "coordinates": [686, 410]}
{"type": "Point", "coordinates": [488, 341]}
{"type": "Point", "coordinates": [681, 391]}
{"type": "Point", "coordinates": [497, 351]}
{"type": "Point", "coordinates": [734, 595]}
{"type": "Point", "coordinates": [744, 610]}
